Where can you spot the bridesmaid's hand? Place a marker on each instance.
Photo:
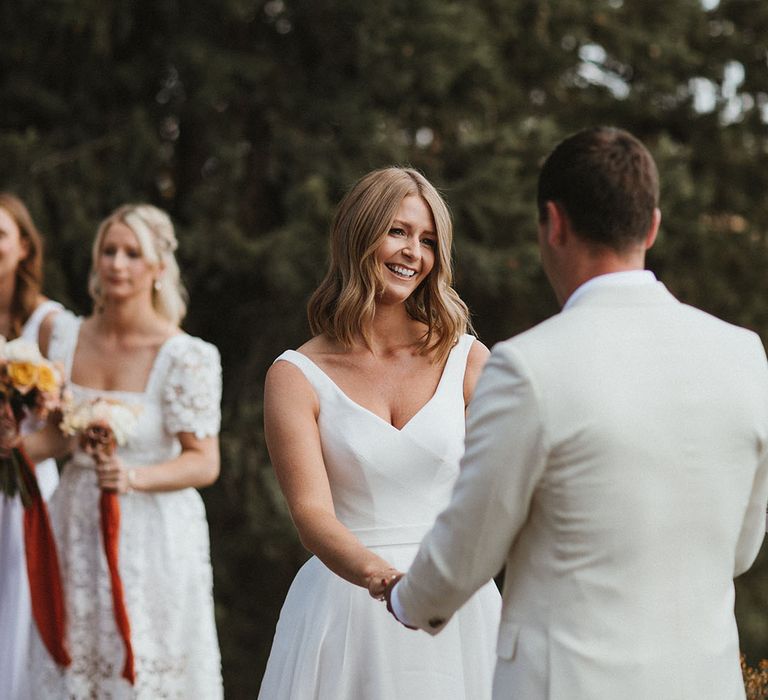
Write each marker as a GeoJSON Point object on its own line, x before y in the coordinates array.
{"type": "Point", "coordinates": [380, 580]}
{"type": "Point", "coordinates": [113, 475]}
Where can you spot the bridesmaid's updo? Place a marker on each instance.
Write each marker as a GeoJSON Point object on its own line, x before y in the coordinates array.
{"type": "Point", "coordinates": [154, 231]}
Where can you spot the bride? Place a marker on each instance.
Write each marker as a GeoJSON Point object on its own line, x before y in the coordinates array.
{"type": "Point", "coordinates": [365, 428]}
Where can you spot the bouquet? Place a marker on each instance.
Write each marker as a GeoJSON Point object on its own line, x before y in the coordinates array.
{"type": "Point", "coordinates": [101, 425]}
{"type": "Point", "coordinates": [30, 385]}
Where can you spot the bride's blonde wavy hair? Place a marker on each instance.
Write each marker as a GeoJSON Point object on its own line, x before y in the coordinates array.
{"type": "Point", "coordinates": [157, 241]}
{"type": "Point", "coordinates": [344, 305]}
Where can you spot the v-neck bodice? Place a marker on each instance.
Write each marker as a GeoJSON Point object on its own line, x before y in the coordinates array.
{"type": "Point", "coordinates": [388, 485]}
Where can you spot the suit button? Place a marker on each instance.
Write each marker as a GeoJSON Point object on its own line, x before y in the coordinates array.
{"type": "Point", "coordinates": [435, 622]}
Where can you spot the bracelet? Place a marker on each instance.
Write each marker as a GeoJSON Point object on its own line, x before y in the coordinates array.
{"type": "Point", "coordinates": [131, 481]}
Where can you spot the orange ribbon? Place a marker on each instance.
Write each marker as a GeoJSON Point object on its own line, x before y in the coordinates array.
{"type": "Point", "coordinates": [98, 441]}
{"type": "Point", "coordinates": [46, 590]}
{"type": "Point", "coordinates": [110, 530]}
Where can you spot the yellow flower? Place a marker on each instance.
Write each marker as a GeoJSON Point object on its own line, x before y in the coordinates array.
{"type": "Point", "coordinates": [22, 374]}
{"type": "Point", "coordinates": [46, 378]}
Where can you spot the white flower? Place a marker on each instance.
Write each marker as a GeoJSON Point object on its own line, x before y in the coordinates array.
{"type": "Point", "coordinates": [121, 418]}
{"type": "Point", "coordinates": [21, 350]}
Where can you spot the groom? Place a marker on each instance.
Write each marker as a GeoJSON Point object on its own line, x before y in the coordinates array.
{"type": "Point", "coordinates": [616, 462]}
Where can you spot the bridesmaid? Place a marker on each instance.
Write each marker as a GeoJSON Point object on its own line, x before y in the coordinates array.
{"type": "Point", "coordinates": [365, 429]}
{"type": "Point", "coordinates": [26, 313]}
{"type": "Point", "coordinates": [131, 350]}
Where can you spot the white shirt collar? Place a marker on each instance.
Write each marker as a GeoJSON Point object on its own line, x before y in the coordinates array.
{"type": "Point", "coordinates": [626, 278]}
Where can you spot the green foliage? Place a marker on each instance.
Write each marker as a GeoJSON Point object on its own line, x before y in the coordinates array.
{"type": "Point", "coordinates": [247, 119]}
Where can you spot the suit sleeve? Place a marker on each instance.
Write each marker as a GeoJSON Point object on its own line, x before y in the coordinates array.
{"type": "Point", "coordinates": [504, 459]}
{"type": "Point", "coordinates": [754, 525]}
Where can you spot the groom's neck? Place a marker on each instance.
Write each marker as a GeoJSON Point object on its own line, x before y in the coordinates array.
{"type": "Point", "coordinates": [587, 262]}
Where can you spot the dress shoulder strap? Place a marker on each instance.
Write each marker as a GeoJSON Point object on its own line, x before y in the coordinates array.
{"type": "Point", "coordinates": [462, 348]}
{"type": "Point", "coordinates": [319, 380]}
{"type": "Point", "coordinates": [451, 387]}
{"type": "Point", "coordinates": [66, 328]}
{"type": "Point", "coordinates": [456, 366]}
{"type": "Point", "coordinates": [31, 326]}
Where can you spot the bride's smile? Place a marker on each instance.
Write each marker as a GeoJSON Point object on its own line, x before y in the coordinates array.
{"type": "Point", "coordinates": [401, 271]}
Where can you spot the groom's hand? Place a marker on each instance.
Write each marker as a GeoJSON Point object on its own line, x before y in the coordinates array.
{"type": "Point", "coordinates": [380, 586]}
{"type": "Point", "coordinates": [388, 597]}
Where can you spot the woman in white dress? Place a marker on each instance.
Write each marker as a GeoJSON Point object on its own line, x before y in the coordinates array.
{"type": "Point", "coordinates": [365, 428]}
{"type": "Point", "coordinates": [131, 350]}
{"type": "Point", "coordinates": [25, 313]}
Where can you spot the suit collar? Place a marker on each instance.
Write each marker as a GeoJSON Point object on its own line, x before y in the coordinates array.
{"type": "Point", "coordinates": [611, 279]}
{"type": "Point", "coordinates": [605, 294]}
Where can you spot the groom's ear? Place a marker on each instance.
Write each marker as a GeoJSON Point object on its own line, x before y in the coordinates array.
{"type": "Point", "coordinates": [557, 226]}
{"type": "Point", "coordinates": [650, 236]}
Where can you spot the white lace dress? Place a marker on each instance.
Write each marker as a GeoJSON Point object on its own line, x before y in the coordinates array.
{"type": "Point", "coordinates": [15, 610]}
{"type": "Point", "coordinates": [333, 641]}
{"type": "Point", "coordinates": [164, 554]}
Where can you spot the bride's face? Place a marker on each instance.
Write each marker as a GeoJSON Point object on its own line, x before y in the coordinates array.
{"type": "Point", "coordinates": [407, 253]}
{"type": "Point", "coordinates": [123, 270]}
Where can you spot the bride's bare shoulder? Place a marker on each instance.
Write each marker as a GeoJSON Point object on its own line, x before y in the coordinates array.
{"type": "Point", "coordinates": [324, 351]}
{"type": "Point", "coordinates": [318, 345]}
{"type": "Point", "coordinates": [286, 384]}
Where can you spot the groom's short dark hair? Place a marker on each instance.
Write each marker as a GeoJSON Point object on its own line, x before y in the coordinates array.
{"type": "Point", "coordinates": [607, 182]}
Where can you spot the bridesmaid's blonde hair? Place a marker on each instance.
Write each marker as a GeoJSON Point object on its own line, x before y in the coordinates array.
{"type": "Point", "coordinates": [344, 304]}
{"type": "Point", "coordinates": [157, 241]}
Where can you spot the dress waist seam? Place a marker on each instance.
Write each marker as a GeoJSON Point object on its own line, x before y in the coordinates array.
{"type": "Point", "coordinates": [393, 535]}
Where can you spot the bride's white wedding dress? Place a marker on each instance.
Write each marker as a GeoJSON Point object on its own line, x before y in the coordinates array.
{"type": "Point", "coordinates": [333, 641]}
{"type": "Point", "coordinates": [164, 556]}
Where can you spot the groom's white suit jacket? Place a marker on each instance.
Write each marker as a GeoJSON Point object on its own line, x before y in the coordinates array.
{"type": "Point", "coordinates": [616, 463]}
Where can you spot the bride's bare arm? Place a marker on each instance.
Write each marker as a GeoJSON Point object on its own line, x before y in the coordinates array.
{"type": "Point", "coordinates": [293, 441]}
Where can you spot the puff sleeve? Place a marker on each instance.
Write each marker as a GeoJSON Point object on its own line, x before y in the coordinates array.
{"type": "Point", "coordinates": [192, 392]}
